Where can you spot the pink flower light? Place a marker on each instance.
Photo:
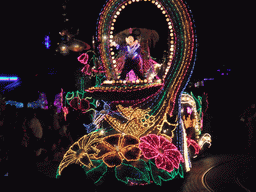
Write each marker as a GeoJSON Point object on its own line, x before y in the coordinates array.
{"type": "Point", "coordinates": [194, 144]}
{"type": "Point", "coordinates": [165, 153]}
{"type": "Point", "coordinates": [83, 58]}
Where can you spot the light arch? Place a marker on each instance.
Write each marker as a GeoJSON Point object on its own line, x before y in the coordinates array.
{"type": "Point", "coordinates": [180, 29]}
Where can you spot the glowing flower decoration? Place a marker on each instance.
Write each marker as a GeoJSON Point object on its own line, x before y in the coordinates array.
{"type": "Point", "coordinates": [115, 148]}
{"type": "Point", "coordinates": [194, 144]}
{"type": "Point", "coordinates": [81, 152]}
{"type": "Point", "coordinates": [83, 58]}
{"type": "Point", "coordinates": [80, 104]}
{"type": "Point", "coordinates": [165, 153]}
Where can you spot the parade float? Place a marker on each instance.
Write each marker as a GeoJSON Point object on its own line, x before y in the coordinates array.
{"type": "Point", "coordinates": [147, 129]}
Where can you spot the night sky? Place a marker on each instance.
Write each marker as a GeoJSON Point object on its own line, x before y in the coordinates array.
{"type": "Point", "coordinates": [224, 33]}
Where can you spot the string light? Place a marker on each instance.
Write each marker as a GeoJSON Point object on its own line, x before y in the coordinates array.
{"type": "Point", "coordinates": [81, 152]}
{"type": "Point", "coordinates": [165, 153]}
{"type": "Point", "coordinates": [103, 20]}
{"type": "Point", "coordinates": [114, 148]}
{"type": "Point", "coordinates": [147, 117]}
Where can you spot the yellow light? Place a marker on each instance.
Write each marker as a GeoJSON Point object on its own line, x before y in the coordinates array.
{"type": "Point", "coordinates": [85, 144]}
{"type": "Point", "coordinates": [102, 132]}
{"type": "Point", "coordinates": [104, 37]}
{"type": "Point", "coordinates": [118, 12]}
{"type": "Point", "coordinates": [63, 48]}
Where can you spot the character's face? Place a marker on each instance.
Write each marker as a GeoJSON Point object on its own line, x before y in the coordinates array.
{"type": "Point", "coordinates": [129, 40]}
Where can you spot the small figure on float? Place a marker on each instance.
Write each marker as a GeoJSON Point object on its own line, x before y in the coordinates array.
{"type": "Point", "coordinates": [132, 51]}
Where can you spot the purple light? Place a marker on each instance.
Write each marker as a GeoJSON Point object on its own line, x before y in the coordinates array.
{"type": "Point", "coordinates": [208, 79]}
{"type": "Point", "coordinates": [47, 42]}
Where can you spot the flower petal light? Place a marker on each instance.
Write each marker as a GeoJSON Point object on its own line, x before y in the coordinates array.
{"type": "Point", "coordinates": [165, 153]}
{"type": "Point", "coordinates": [115, 148]}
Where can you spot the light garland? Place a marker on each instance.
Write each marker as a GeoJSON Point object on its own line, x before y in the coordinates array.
{"type": "Point", "coordinates": [81, 152]}
{"type": "Point", "coordinates": [115, 148]}
{"type": "Point", "coordinates": [106, 26]}
{"type": "Point", "coordinates": [138, 129]}
{"type": "Point", "coordinates": [166, 154]}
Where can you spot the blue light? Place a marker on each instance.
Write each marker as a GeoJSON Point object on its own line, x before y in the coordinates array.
{"type": "Point", "coordinates": [47, 42]}
{"type": "Point", "coordinates": [5, 78]}
{"type": "Point", "coordinates": [15, 103]}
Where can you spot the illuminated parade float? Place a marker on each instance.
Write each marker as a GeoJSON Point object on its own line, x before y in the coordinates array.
{"type": "Point", "coordinates": [147, 129]}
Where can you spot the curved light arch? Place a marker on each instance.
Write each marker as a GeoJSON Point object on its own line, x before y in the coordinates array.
{"type": "Point", "coordinates": [114, 9]}
{"type": "Point", "coordinates": [180, 32]}
{"type": "Point", "coordinates": [181, 52]}
{"type": "Point", "coordinates": [171, 32]}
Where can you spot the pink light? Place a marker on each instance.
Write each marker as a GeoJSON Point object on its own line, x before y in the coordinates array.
{"type": "Point", "coordinates": [80, 104]}
{"type": "Point", "coordinates": [165, 153]}
{"type": "Point", "coordinates": [189, 110]}
{"type": "Point", "coordinates": [65, 111]}
{"type": "Point", "coordinates": [194, 144]}
{"type": "Point", "coordinates": [83, 58]}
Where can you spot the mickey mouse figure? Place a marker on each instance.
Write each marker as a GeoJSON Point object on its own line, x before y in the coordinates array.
{"type": "Point", "coordinates": [133, 58]}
